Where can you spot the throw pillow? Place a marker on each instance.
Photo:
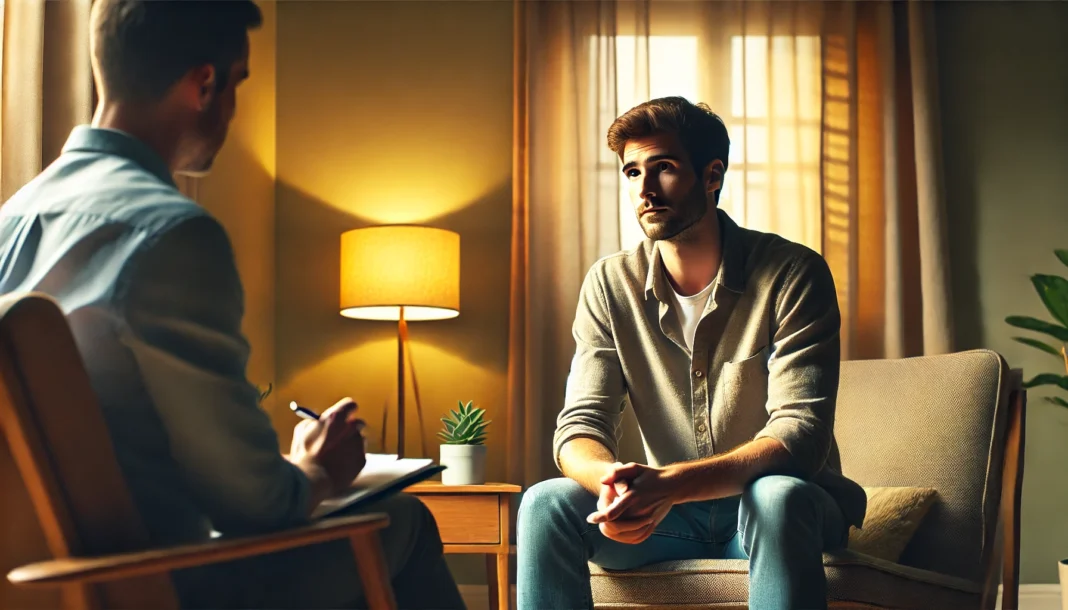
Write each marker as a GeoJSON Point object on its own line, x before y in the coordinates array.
{"type": "Point", "coordinates": [893, 516]}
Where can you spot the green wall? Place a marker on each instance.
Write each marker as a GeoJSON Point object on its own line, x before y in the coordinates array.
{"type": "Point", "coordinates": [1003, 71]}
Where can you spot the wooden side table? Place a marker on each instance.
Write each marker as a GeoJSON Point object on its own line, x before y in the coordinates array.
{"type": "Point", "coordinates": [476, 519]}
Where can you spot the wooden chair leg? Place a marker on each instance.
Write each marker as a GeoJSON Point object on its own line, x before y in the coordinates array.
{"type": "Point", "coordinates": [79, 597]}
{"type": "Point", "coordinates": [374, 573]}
{"type": "Point", "coordinates": [1012, 491]}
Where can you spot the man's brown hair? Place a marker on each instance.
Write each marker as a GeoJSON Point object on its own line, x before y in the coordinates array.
{"type": "Point", "coordinates": [143, 47]}
{"type": "Point", "coordinates": [701, 131]}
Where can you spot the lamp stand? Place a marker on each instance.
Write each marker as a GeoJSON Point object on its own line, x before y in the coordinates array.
{"type": "Point", "coordinates": [403, 354]}
{"type": "Point", "coordinates": [402, 334]}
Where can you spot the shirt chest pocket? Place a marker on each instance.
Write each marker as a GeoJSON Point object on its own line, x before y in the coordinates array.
{"type": "Point", "coordinates": [744, 388]}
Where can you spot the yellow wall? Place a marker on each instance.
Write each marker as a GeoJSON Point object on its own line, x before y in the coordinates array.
{"type": "Point", "coordinates": [1004, 95]}
{"type": "Point", "coordinates": [240, 193]}
{"type": "Point", "coordinates": [393, 112]}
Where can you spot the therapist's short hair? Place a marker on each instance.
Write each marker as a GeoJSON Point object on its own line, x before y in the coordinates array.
{"type": "Point", "coordinates": [141, 48]}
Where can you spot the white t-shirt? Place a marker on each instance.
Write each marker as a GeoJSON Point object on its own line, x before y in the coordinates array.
{"type": "Point", "coordinates": [690, 309]}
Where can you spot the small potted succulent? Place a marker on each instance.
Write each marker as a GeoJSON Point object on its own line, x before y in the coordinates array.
{"type": "Point", "coordinates": [463, 452]}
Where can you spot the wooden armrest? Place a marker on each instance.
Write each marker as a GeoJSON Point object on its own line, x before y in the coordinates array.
{"type": "Point", "coordinates": [69, 570]}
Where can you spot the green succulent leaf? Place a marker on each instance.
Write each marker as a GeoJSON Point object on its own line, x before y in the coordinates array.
{"type": "Point", "coordinates": [1041, 326]}
{"type": "Point", "coordinates": [464, 427]}
{"type": "Point", "coordinates": [1046, 347]}
{"type": "Point", "coordinates": [1060, 381]}
{"type": "Point", "coordinates": [1057, 400]}
{"type": "Point", "coordinates": [1063, 255]}
{"type": "Point", "coordinates": [1054, 292]}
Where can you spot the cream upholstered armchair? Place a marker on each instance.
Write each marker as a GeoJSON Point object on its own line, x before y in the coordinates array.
{"type": "Point", "coordinates": [952, 422]}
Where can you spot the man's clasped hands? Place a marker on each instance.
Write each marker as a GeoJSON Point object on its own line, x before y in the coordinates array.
{"type": "Point", "coordinates": [634, 499]}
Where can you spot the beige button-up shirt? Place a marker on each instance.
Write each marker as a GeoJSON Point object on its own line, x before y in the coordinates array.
{"type": "Point", "coordinates": [764, 363]}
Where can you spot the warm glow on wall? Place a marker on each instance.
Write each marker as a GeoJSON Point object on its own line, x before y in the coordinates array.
{"type": "Point", "coordinates": [421, 185]}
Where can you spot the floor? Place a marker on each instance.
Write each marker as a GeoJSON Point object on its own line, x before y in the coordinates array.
{"type": "Point", "coordinates": [477, 596]}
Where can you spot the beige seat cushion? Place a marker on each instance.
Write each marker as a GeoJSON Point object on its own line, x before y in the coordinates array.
{"type": "Point", "coordinates": [852, 580]}
{"type": "Point", "coordinates": [892, 517]}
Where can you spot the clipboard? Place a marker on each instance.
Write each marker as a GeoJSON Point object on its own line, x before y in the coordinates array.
{"type": "Point", "coordinates": [381, 477]}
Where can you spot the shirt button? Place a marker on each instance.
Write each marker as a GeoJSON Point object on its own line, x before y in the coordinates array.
{"type": "Point", "coordinates": [701, 428]}
{"type": "Point", "coordinates": [697, 373]}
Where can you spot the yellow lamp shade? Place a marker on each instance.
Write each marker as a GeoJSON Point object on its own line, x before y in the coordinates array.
{"type": "Point", "coordinates": [388, 267]}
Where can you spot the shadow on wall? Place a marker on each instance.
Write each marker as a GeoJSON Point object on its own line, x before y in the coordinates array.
{"type": "Point", "coordinates": [310, 329]}
{"type": "Point", "coordinates": [959, 164]}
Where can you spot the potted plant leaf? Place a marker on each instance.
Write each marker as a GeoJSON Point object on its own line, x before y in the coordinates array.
{"type": "Point", "coordinates": [1053, 290]}
{"type": "Point", "coordinates": [464, 451]}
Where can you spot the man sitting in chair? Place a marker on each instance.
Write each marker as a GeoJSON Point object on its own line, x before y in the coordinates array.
{"type": "Point", "coordinates": [148, 281]}
{"type": "Point", "coordinates": [726, 342]}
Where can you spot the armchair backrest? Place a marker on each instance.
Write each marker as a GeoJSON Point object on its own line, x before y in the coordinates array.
{"type": "Point", "coordinates": [933, 421]}
{"type": "Point", "coordinates": [62, 449]}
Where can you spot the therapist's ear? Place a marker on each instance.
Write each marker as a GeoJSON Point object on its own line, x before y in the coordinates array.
{"type": "Point", "coordinates": [199, 85]}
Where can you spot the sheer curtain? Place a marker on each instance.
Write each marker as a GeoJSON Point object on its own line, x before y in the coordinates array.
{"type": "Point", "coordinates": [883, 203]}
{"type": "Point", "coordinates": [45, 84]}
{"type": "Point", "coordinates": [566, 207]}
{"type": "Point", "coordinates": [45, 90]}
{"type": "Point", "coordinates": [832, 117]}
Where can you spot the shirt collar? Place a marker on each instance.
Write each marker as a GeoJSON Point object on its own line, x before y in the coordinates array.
{"type": "Point", "coordinates": [84, 138]}
{"type": "Point", "coordinates": [731, 274]}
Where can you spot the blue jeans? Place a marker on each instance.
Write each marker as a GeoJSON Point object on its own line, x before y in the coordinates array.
{"type": "Point", "coordinates": [780, 524]}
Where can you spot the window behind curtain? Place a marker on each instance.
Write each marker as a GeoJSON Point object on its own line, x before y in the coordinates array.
{"type": "Point", "coordinates": [774, 122]}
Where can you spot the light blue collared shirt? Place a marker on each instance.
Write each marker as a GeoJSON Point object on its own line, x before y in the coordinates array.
{"type": "Point", "coordinates": [148, 281]}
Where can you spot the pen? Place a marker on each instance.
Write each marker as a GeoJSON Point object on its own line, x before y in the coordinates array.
{"type": "Point", "coordinates": [303, 412]}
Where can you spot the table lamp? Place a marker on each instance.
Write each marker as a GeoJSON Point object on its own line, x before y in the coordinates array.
{"type": "Point", "coordinates": [400, 273]}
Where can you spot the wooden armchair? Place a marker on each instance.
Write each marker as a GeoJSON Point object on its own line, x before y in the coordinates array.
{"type": "Point", "coordinates": [61, 447]}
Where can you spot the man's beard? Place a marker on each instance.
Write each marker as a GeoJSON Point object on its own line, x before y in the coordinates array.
{"type": "Point", "coordinates": [679, 219]}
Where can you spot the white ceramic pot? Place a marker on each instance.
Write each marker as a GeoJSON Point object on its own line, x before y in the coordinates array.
{"type": "Point", "coordinates": [1062, 570]}
{"type": "Point", "coordinates": [464, 464]}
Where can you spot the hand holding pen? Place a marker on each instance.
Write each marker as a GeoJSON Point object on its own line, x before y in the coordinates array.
{"type": "Point", "coordinates": [333, 441]}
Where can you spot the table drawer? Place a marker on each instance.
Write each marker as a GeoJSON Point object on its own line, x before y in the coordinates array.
{"type": "Point", "coordinates": [465, 519]}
